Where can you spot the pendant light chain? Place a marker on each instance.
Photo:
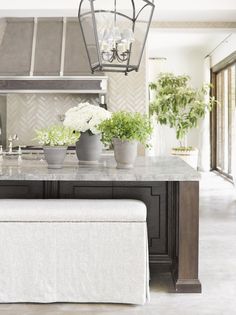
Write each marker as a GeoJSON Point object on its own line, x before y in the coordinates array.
{"type": "Point", "coordinates": [115, 13]}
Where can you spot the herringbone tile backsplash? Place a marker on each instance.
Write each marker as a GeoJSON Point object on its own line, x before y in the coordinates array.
{"type": "Point", "coordinates": [27, 112]}
{"type": "Point", "coordinates": [130, 92]}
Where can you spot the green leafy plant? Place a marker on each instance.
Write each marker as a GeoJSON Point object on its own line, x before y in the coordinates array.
{"type": "Point", "coordinates": [57, 135]}
{"type": "Point", "coordinates": [179, 105]}
{"type": "Point", "coordinates": [126, 127]}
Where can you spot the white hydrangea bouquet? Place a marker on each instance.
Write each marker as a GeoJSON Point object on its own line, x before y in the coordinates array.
{"type": "Point", "coordinates": [86, 117]}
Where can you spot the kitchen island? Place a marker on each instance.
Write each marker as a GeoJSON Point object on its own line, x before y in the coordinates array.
{"type": "Point", "coordinates": [167, 185]}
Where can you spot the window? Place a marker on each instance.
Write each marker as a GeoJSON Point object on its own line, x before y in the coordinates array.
{"type": "Point", "coordinates": [224, 121]}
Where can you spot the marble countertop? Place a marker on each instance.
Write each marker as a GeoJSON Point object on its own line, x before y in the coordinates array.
{"type": "Point", "coordinates": [167, 168]}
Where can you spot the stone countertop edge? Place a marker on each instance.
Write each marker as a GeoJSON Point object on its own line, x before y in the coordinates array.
{"type": "Point", "coordinates": [149, 169]}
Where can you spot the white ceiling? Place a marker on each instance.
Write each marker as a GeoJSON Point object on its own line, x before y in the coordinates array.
{"type": "Point", "coordinates": [162, 4]}
{"type": "Point", "coordinates": [196, 15]}
{"type": "Point", "coordinates": [166, 10]}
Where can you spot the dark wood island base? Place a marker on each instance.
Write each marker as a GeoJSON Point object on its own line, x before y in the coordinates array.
{"type": "Point", "coordinates": [188, 286]}
{"type": "Point", "coordinates": [172, 216]}
{"type": "Point", "coordinates": [187, 239]}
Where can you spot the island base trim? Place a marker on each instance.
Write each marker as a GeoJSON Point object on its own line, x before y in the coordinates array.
{"type": "Point", "coordinates": [188, 286]}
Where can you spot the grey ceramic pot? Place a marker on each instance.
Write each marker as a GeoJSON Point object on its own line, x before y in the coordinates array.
{"type": "Point", "coordinates": [88, 148]}
{"type": "Point", "coordinates": [125, 153]}
{"type": "Point", "coordinates": [55, 156]}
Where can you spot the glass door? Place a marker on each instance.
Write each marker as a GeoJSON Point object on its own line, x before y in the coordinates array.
{"type": "Point", "coordinates": [225, 121]}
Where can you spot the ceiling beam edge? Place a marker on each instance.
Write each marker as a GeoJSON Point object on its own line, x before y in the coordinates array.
{"type": "Point", "coordinates": [190, 24]}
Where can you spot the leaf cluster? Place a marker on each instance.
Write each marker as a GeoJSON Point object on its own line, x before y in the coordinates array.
{"type": "Point", "coordinates": [126, 126]}
{"type": "Point", "coordinates": [57, 135]}
{"type": "Point", "coordinates": [177, 104]}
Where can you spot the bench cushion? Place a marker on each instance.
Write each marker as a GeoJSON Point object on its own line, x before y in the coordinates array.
{"type": "Point", "coordinates": [73, 251]}
{"type": "Point", "coordinates": [67, 210]}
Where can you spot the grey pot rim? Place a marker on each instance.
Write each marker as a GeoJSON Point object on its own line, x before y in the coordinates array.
{"type": "Point", "coordinates": [124, 141]}
{"type": "Point", "coordinates": [89, 132]}
{"type": "Point", "coordinates": [55, 146]}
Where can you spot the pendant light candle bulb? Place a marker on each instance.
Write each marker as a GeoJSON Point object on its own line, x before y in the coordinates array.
{"type": "Point", "coordinates": [105, 47]}
{"type": "Point", "coordinates": [113, 42]}
{"type": "Point", "coordinates": [116, 34]}
{"type": "Point", "coordinates": [121, 47]}
{"type": "Point", "coordinates": [127, 46]}
{"type": "Point", "coordinates": [128, 35]}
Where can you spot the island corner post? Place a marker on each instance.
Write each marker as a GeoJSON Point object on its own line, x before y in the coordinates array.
{"type": "Point", "coordinates": [185, 271]}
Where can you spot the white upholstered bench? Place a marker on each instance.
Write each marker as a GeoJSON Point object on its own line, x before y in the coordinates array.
{"type": "Point", "coordinates": [73, 251]}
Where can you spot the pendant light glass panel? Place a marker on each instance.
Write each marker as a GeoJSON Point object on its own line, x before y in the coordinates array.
{"type": "Point", "coordinates": [141, 29]}
{"type": "Point", "coordinates": [88, 27]}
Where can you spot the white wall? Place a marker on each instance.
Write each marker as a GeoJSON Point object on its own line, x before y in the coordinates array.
{"type": "Point", "coordinates": [179, 61]}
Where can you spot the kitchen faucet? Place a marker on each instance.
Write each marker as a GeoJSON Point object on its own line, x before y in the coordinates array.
{"type": "Point", "coordinates": [11, 140]}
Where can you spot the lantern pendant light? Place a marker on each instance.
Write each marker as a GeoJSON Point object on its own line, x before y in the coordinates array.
{"type": "Point", "coordinates": [115, 36]}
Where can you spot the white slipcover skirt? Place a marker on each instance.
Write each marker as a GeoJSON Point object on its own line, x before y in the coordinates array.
{"type": "Point", "coordinates": [73, 251]}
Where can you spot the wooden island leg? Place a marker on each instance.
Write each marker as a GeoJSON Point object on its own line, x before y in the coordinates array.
{"type": "Point", "coordinates": [187, 238]}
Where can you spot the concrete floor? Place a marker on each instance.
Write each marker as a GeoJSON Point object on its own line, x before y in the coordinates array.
{"type": "Point", "coordinates": [217, 268]}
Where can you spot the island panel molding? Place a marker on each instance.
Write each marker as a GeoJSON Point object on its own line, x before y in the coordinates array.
{"type": "Point", "coordinates": [21, 190]}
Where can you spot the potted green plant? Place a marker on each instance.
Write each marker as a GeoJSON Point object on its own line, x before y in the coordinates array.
{"type": "Point", "coordinates": [55, 141]}
{"type": "Point", "coordinates": [124, 130]}
{"type": "Point", "coordinates": [180, 106]}
{"type": "Point", "coordinates": [84, 118]}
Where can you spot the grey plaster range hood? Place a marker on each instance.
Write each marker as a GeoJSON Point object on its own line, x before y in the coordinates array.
{"type": "Point", "coordinates": [41, 55]}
